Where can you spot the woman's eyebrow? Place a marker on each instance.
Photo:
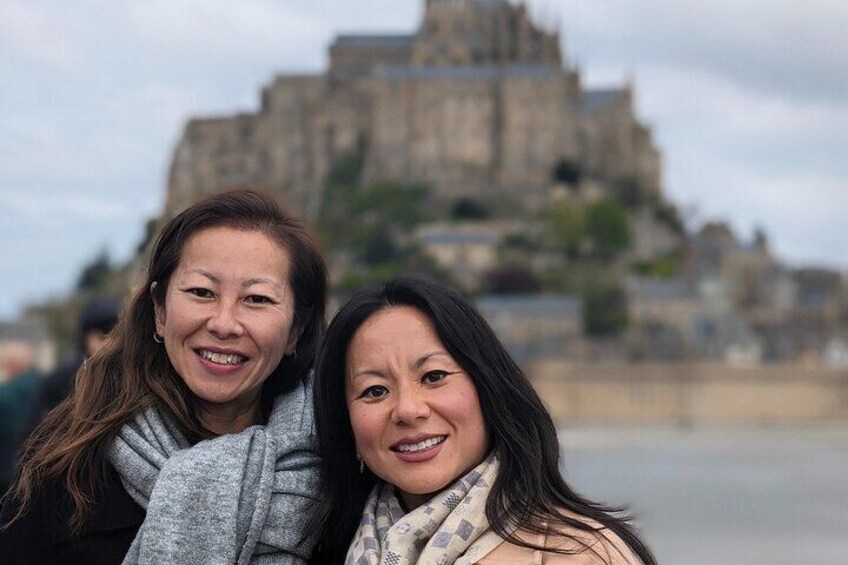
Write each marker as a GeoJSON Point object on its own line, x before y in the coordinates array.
{"type": "Point", "coordinates": [261, 280]}
{"type": "Point", "coordinates": [426, 357]}
{"type": "Point", "coordinates": [365, 371]}
{"type": "Point", "coordinates": [204, 273]}
{"type": "Point", "coordinates": [275, 285]}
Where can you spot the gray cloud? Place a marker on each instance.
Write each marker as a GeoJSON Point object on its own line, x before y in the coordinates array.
{"type": "Point", "coordinates": [749, 101]}
{"type": "Point", "coordinates": [39, 36]}
{"type": "Point", "coordinates": [793, 46]}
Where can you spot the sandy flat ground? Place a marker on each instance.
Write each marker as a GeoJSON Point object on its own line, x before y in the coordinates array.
{"type": "Point", "coordinates": [716, 496]}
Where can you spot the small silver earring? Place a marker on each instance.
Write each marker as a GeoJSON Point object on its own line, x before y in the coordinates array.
{"type": "Point", "coordinates": [158, 338]}
{"type": "Point", "coordinates": [361, 464]}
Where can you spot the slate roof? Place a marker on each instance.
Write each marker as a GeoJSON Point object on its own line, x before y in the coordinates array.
{"type": "Point", "coordinates": [436, 238]}
{"type": "Point", "coordinates": [373, 41]}
{"type": "Point", "coordinates": [534, 305]}
{"type": "Point", "coordinates": [470, 72]}
{"type": "Point", "coordinates": [594, 100]}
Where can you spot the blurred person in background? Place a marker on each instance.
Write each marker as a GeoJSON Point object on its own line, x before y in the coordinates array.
{"type": "Point", "coordinates": [18, 383]}
{"type": "Point", "coordinates": [436, 449]}
{"type": "Point", "coordinates": [188, 437]}
{"type": "Point", "coordinates": [96, 320]}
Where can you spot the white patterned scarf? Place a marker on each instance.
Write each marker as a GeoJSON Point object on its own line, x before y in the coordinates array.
{"type": "Point", "coordinates": [451, 528]}
{"type": "Point", "coordinates": [240, 498]}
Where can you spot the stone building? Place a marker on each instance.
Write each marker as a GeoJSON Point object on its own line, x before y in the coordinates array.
{"type": "Point", "coordinates": [533, 326]}
{"type": "Point", "coordinates": [467, 249]}
{"type": "Point", "coordinates": [479, 102]}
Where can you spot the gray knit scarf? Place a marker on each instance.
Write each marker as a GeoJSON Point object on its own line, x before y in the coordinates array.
{"type": "Point", "coordinates": [239, 498]}
{"type": "Point", "coordinates": [451, 528]}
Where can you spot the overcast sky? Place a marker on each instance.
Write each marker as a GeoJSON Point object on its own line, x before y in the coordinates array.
{"type": "Point", "coordinates": [748, 101]}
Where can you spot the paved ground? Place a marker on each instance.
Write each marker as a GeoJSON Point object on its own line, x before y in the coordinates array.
{"type": "Point", "coordinates": [722, 496]}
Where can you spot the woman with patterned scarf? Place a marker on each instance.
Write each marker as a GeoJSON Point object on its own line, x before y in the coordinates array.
{"type": "Point", "coordinates": [436, 449]}
{"type": "Point", "coordinates": [189, 436]}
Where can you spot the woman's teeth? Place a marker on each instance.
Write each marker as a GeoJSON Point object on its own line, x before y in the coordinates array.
{"type": "Point", "coordinates": [221, 358]}
{"type": "Point", "coordinates": [421, 445]}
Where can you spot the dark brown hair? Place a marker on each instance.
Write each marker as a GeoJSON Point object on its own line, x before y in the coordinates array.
{"type": "Point", "coordinates": [529, 492]}
{"type": "Point", "coordinates": [131, 372]}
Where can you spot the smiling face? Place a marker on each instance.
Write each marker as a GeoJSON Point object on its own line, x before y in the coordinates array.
{"type": "Point", "coordinates": [227, 321]}
{"type": "Point", "coordinates": [414, 411]}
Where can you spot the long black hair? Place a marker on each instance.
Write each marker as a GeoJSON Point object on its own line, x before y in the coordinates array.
{"type": "Point", "coordinates": [529, 492]}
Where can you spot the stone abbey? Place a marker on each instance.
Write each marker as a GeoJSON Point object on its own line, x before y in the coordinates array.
{"type": "Point", "coordinates": [479, 103]}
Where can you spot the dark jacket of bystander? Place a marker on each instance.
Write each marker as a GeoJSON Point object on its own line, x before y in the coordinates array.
{"type": "Point", "coordinates": [41, 536]}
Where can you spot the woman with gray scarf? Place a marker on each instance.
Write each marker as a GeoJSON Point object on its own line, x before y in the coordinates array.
{"type": "Point", "coordinates": [189, 437]}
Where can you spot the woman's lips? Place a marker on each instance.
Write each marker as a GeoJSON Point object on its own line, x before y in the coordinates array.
{"type": "Point", "coordinates": [420, 451]}
{"type": "Point", "coordinates": [221, 358]}
{"type": "Point", "coordinates": [220, 362]}
{"type": "Point", "coordinates": [418, 444]}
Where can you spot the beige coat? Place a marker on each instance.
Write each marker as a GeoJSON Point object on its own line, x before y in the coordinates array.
{"type": "Point", "coordinates": [606, 548]}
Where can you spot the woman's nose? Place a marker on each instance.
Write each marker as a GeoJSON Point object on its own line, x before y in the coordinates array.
{"type": "Point", "coordinates": [224, 320]}
{"type": "Point", "coordinates": [410, 404]}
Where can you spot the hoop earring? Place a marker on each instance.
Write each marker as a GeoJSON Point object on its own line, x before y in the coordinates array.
{"type": "Point", "coordinates": [361, 464]}
{"type": "Point", "coordinates": [158, 338]}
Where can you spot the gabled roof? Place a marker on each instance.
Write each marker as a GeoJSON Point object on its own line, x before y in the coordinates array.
{"type": "Point", "coordinates": [594, 100]}
{"type": "Point", "coordinates": [491, 4]}
{"type": "Point", "coordinates": [373, 41]}
{"type": "Point", "coordinates": [470, 72]}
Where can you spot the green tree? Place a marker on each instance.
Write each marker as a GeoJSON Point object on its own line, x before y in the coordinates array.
{"type": "Point", "coordinates": [95, 275]}
{"type": "Point", "coordinates": [340, 188]}
{"type": "Point", "coordinates": [578, 276]}
{"type": "Point", "coordinates": [629, 192]}
{"type": "Point", "coordinates": [565, 226]}
{"type": "Point", "coordinates": [151, 229]}
{"type": "Point", "coordinates": [346, 171]}
{"type": "Point", "coordinates": [666, 266]}
{"type": "Point", "coordinates": [375, 245]}
{"type": "Point", "coordinates": [392, 203]}
{"type": "Point", "coordinates": [373, 225]}
{"type": "Point", "coordinates": [608, 228]}
{"type": "Point", "coordinates": [667, 213]}
{"type": "Point", "coordinates": [604, 311]}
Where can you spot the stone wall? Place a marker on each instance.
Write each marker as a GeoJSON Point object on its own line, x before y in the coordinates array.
{"type": "Point", "coordinates": [470, 131]}
{"type": "Point", "coordinates": [691, 393]}
{"type": "Point", "coordinates": [538, 127]}
{"type": "Point", "coordinates": [435, 129]}
{"type": "Point", "coordinates": [613, 143]}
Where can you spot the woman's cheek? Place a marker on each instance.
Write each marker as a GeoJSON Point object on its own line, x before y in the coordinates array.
{"type": "Point", "coordinates": [366, 428]}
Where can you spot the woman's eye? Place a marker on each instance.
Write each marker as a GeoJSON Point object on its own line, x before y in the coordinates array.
{"type": "Point", "coordinates": [258, 299]}
{"type": "Point", "coordinates": [201, 292]}
{"type": "Point", "coordinates": [431, 377]}
{"type": "Point", "coordinates": [374, 392]}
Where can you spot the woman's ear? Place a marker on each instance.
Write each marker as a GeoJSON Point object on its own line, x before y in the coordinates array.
{"type": "Point", "coordinates": [158, 310]}
{"type": "Point", "coordinates": [291, 344]}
